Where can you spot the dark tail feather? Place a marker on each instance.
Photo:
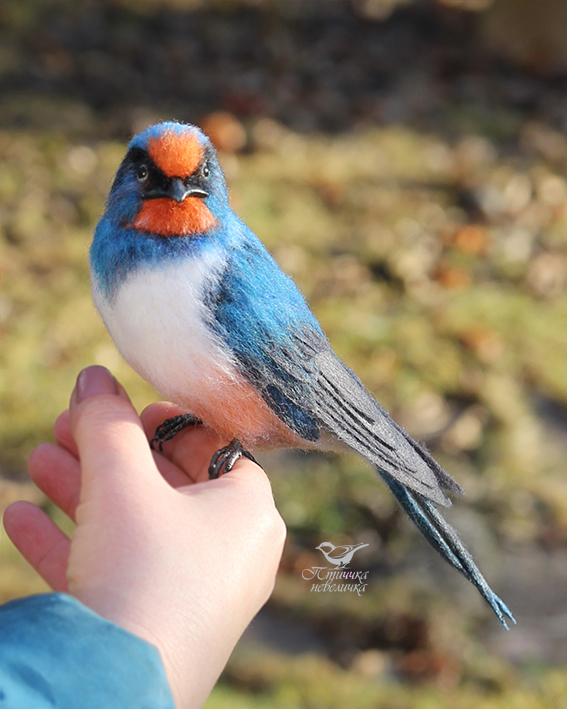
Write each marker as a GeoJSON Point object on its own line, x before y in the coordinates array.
{"type": "Point", "coordinates": [445, 540]}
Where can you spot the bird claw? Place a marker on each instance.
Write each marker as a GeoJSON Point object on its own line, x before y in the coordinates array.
{"type": "Point", "coordinates": [224, 459]}
{"type": "Point", "coordinates": [171, 427]}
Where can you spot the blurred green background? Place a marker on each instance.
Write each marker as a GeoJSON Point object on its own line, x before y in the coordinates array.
{"type": "Point", "coordinates": [405, 163]}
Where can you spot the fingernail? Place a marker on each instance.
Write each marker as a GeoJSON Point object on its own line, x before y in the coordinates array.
{"type": "Point", "coordinates": [94, 381]}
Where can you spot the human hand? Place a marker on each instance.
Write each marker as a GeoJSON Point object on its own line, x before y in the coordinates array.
{"type": "Point", "coordinates": [181, 561]}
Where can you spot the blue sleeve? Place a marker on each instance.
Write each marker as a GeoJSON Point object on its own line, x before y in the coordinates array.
{"type": "Point", "coordinates": [55, 653]}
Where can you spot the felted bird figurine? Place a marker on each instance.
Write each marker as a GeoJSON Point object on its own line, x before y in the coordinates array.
{"type": "Point", "coordinates": [341, 555]}
{"type": "Point", "coordinates": [200, 309]}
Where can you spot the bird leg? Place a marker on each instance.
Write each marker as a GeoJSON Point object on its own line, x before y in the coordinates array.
{"type": "Point", "coordinates": [224, 459]}
{"type": "Point", "coordinates": [171, 427]}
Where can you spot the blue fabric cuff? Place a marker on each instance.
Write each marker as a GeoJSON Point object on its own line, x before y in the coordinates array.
{"type": "Point", "coordinates": [55, 652]}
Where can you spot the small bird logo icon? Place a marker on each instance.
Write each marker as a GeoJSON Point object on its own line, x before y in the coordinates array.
{"type": "Point", "coordinates": [201, 310]}
{"type": "Point", "coordinates": [341, 555]}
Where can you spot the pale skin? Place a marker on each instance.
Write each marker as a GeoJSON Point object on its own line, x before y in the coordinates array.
{"type": "Point", "coordinates": [183, 562]}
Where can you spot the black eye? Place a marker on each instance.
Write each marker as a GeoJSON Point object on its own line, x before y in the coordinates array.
{"type": "Point", "coordinates": [142, 174]}
{"type": "Point", "coordinates": [206, 170]}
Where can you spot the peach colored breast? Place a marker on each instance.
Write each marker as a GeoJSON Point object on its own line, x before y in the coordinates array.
{"type": "Point", "coordinates": [236, 410]}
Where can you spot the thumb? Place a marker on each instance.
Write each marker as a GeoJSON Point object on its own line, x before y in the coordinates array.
{"type": "Point", "coordinates": [113, 448]}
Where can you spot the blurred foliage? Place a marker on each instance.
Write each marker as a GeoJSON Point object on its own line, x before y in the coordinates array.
{"type": "Point", "coordinates": [312, 682]}
{"type": "Point", "coordinates": [414, 187]}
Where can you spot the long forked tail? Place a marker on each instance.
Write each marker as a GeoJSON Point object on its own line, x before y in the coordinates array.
{"type": "Point", "coordinates": [445, 540]}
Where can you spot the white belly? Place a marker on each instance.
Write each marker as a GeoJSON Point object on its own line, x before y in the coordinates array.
{"type": "Point", "coordinates": [158, 323]}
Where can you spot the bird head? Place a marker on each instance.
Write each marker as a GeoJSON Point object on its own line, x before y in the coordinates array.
{"type": "Point", "coordinates": [169, 184]}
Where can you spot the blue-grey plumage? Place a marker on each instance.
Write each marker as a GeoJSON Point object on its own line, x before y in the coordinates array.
{"type": "Point", "coordinates": [202, 311]}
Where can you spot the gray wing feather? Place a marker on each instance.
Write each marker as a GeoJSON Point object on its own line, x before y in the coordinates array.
{"type": "Point", "coordinates": [346, 408]}
{"type": "Point", "coordinates": [310, 389]}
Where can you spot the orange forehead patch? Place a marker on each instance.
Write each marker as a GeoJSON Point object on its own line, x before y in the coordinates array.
{"type": "Point", "coordinates": [176, 155]}
{"type": "Point", "coordinates": [165, 217]}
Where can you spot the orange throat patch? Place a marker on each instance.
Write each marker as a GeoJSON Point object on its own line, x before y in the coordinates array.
{"type": "Point", "coordinates": [165, 217]}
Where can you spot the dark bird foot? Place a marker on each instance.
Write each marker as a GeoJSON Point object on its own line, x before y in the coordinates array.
{"type": "Point", "coordinates": [171, 427]}
{"type": "Point", "coordinates": [224, 459]}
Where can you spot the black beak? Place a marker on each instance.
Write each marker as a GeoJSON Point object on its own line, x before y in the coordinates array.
{"type": "Point", "coordinates": [175, 189]}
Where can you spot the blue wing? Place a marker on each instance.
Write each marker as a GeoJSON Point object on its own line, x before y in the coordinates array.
{"type": "Point", "coordinates": [281, 349]}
